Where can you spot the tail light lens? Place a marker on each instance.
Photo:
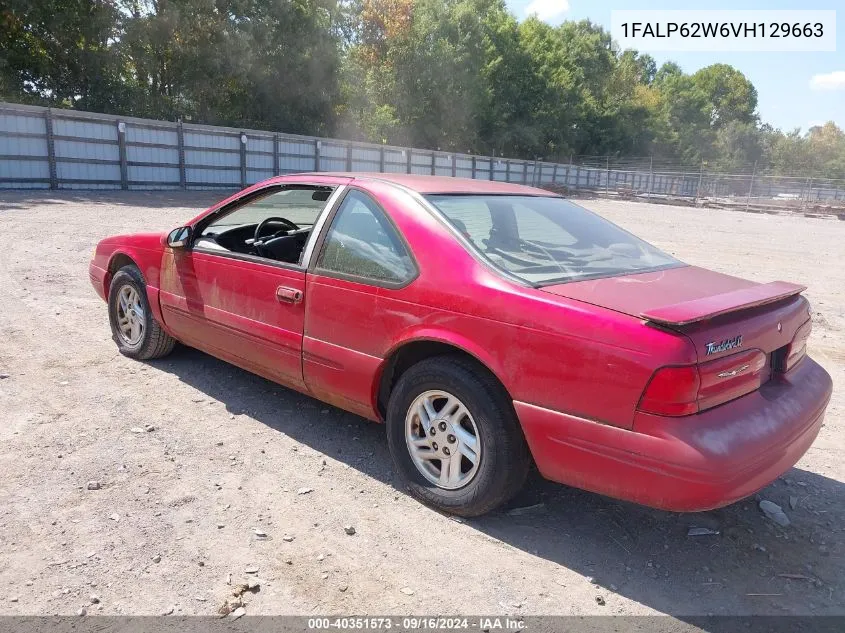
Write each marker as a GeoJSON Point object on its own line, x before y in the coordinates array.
{"type": "Point", "coordinates": [672, 391]}
{"type": "Point", "coordinates": [797, 349]}
{"type": "Point", "coordinates": [679, 391]}
{"type": "Point", "coordinates": [732, 376]}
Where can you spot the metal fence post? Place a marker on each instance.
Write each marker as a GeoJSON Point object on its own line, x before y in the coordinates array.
{"type": "Point", "coordinates": [507, 171]}
{"type": "Point", "coordinates": [650, 174]}
{"type": "Point", "coordinates": [433, 163]}
{"type": "Point", "coordinates": [525, 173]}
{"type": "Point", "coordinates": [348, 157]}
{"type": "Point", "coordinates": [243, 159]}
{"type": "Point", "coordinates": [473, 167]}
{"type": "Point", "coordinates": [51, 149]}
{"type": "Point", "coordinates": [454, 165]}
{"type": "Point", "coordinates": [409, 160]}
{"type": "Point", "coordinates": [121, 150]}
{"type": "Point", "coordinates": [490, 168]}
{"type": "Point", "coordinates": [751, 186]}
{"type": "Point", "coordinates": [180, 144]}
{"type": "Point", "coordinates": [381, 159]}
{"type": "Point", "coordinates": [698, 188]}
{"type": "Point", "coordinates": [317, 154]}
{"type": "Point", "coordinates": [607, 178]}
{"type": "Point", "coordinates": [277, 167]}
{"type": "Point", "coordinates": [554, 174]}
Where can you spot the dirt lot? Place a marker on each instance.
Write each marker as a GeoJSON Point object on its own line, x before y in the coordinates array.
{"type": "Point", "coordinates": [179, 506]}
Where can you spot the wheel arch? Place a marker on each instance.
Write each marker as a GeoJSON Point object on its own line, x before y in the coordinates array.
{"type": "Point", "coordinates": [411, 351]}
{"type": "Point", "coordinates": [118, 260]}
{"type": "Point", "coordinates": [122, 258]}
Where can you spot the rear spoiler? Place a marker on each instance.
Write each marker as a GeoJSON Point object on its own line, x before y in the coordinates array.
{"type": "Point", "coordinates": [716, 305]}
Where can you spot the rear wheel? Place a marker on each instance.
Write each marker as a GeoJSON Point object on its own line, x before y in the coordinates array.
{"type": "Point", "coordinates": [134, 329]}
{"type": "Point", "coordinates": [454, 437]}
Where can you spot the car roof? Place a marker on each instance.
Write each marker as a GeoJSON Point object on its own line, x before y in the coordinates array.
{"type": "Point", "coordinates": [440, 184]}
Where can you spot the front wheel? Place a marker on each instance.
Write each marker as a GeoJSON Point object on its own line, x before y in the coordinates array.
{"type": "Point", "coordinates": [134, 328]}
{"type": "Point", "coordinates": [454, 437]}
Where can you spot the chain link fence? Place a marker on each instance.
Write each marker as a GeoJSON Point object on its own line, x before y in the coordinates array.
{"type": "Point", "coordinates": [650, 179]}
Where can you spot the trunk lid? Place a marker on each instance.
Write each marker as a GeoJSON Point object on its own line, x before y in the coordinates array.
{"type": "Point", "coordinates": [720, 314]}
{"type": "Point", "coordinates": [743, 332]}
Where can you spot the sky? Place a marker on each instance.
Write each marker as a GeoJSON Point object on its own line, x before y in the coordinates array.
{"type": "Point", "coordinates": [795, 90]}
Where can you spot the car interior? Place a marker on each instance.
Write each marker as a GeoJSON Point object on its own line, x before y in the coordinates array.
{"type": "Point", "coordinates": [275, 225]}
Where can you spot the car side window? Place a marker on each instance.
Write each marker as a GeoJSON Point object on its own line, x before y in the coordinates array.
{"type": "Point", "coordinates": [362, 242]}
{"type": "Point", "coordinates": [300, 205]}
{"type": "Point", "coordinates": [273, 224]}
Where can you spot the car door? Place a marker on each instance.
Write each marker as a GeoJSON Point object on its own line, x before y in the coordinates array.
{"type": "Point", "coordinates": [244, 308]}
{"type": "Point", "coordinates": [362, 258]}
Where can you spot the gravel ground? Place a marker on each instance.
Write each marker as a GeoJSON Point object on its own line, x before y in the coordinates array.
{"type": "Point", "coordinates": [196, 459]}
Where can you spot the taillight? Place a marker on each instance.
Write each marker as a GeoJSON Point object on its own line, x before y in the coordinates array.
{"type": "Point", "coordinates": [797, 349]}
{"type": "Point", "coordinates": [672, 391]}
{"type": "Point", "coordinates": [732, 376]}
{"type": "Point", "coordinates": [688, 389]}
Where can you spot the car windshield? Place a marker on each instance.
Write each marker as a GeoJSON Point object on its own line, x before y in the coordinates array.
{"type": "Point", "coordinates": [545, 240]}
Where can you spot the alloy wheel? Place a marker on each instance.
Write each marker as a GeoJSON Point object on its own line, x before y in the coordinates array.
{"type": "Point", "coordinates": [131, 319]}
{"type": "Point", "coordinates": [443, 439]}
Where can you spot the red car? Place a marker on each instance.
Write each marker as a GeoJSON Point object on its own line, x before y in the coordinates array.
{"type": "Point", "coordinates": [489, 325]}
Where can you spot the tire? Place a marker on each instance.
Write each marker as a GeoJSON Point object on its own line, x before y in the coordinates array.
{"type": "Point", "coordinates": [504, 459]}
{"type": "Point", "coordinates": [152, 341]}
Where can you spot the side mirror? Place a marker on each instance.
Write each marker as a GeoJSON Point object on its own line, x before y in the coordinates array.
{"type": "Point", "coordinates": [179, 238]}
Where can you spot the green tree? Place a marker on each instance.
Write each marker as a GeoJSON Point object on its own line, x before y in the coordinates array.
{"type": "Point", "coordinates": [61, 53]}
{"type": "Point", "coordinates": [737, 147]}
{"type": "Point", "coordinates": [730, 95]}
{"type": "Point", "coordinates": [425, 72]}
{"type": "Point", "coordinates": [827, 148]}
{"type": "Point", "coordinates": [259, 63]}
{"type": "Point", "coordinates": [702, 116]}
{"type": "Point", "coordinates": [459, 75]}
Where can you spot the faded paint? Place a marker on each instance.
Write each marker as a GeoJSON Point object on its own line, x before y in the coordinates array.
{"type": "Point", "coordinates": [551, 351]}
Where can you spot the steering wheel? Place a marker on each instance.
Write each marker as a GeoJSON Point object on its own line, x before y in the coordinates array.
{"type": "Point", "coordinates": [284, 222]}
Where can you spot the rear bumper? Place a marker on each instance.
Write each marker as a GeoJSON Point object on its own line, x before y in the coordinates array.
{"type": "Point", "coordinates": [687, 464]}
{"type": "Point", "coordinates": [98, 279]}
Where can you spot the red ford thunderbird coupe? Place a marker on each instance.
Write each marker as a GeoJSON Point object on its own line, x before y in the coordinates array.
{"type": "Point", "coordinates": [489, 325]}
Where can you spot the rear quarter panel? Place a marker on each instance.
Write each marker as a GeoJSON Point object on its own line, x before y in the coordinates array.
{"type": "Point", "coordinates": [547, 350]}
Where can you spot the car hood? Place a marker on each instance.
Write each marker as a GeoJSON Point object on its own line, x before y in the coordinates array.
{"type": "Point", "coordinates": [140, 240]}
{"type": "Point", "coordinates": [643, 292]}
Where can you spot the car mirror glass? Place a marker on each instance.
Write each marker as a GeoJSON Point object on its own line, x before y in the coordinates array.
{"type": "Point", "coordinates": [179, 238]}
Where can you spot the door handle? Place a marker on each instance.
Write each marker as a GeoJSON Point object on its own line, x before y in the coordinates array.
{"type": "Point", "coordinates": [288, 295]}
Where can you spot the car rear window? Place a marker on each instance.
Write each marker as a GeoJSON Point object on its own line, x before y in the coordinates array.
{"type": "Point", "coordinates": [545, 240]}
